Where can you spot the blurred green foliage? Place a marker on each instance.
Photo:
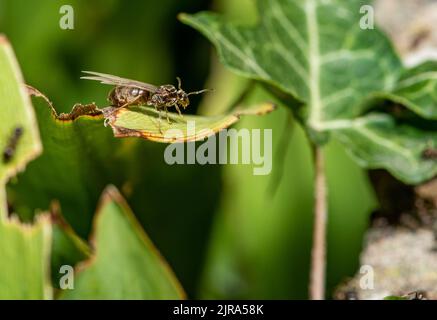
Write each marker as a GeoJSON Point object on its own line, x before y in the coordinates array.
{"type": "Point", "coordinates": [223, 231]}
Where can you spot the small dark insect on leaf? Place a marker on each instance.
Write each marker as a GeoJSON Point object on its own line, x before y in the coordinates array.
{"type": "Point", "coordinates": [9, 151]}
{"type": "Point", "coordinates": [429, 154]}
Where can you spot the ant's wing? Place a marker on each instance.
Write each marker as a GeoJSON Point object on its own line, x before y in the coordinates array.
{"type": "Point", "coordinates": [117, 81]}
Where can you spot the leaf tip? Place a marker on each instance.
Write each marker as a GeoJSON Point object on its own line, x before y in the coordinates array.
{"type": "Point", "coordinates": [260, 110]}
{"type": "Point", "coordinates": [110, 194]}
{"type": "Point", "coordinates": [183, 16]}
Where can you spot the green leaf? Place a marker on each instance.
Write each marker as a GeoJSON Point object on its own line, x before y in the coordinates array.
{"type": "Point", "coordinates": [24, 249]}
{"type": "Point", "coordinates": [16, 113]}
{"type": "Point", "coordinates": [126, 265]}
{"type": "Point", "coordinates": [25, 256]}
{"type": "Point", "coordinates": [376, 141]}
{"type": "Point", "coordinates": [417, 90]}
{"type": "Point", "coordinates": [313, 50]}
{"type": "Point", "coordinates": [144, 122]}
{"type": "Point", "coordinates": [316, 52]}
{"type": "Point", "coordinates": [74, 168]}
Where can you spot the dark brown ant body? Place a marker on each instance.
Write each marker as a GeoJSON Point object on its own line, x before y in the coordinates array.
{"type": "Point", "coordinates": [11, 147]}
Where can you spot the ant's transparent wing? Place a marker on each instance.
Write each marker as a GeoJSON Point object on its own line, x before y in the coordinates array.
{"type": "Point", "coordinates": [117, 81]}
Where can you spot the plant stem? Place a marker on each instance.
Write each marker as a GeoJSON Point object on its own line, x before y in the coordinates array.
{"type": "Point", "coordinates": [318, 258]}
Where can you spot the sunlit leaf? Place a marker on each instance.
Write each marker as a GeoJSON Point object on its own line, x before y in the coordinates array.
{"type": "Point", "coordinates": [145, 122]}
{"type": "Point", "coordinates": [24, 249]}
{"type": "Point", "coordinates": [16, 114]}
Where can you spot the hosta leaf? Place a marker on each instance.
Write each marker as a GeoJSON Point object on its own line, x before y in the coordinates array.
{"type": "Point", "coordinates": [144, 122]}
{"type": "Point", "coordinates": [314, 50]}
{"type": "Point", "coordinates": [126, 265]}
{"type": "Point", "coordinates": [16, 113]}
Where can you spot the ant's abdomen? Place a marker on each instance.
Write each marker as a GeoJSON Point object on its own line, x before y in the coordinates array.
{"type": "Point", "coordinates": [121, 96]}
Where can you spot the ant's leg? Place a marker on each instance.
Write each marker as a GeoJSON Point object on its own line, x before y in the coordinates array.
{"type": "Point", "coordinates": [178, 110]}
{"type": "Point", "coordinates": [166, 114]}
{"type": "Point", "coordinates": [134, 101]}
{"type": "Point", "coordinates": [159, 119]}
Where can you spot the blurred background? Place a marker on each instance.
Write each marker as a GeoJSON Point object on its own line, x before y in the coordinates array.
{"type": "Point", "coordinates": [226, 233]}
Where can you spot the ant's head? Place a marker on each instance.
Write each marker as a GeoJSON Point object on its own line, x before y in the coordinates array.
{"type": "Point", "coordinates": [184, 101]}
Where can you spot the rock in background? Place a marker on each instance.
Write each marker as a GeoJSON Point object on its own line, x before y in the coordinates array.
{"type": "Point", "coordinates": [400, 247]}
{"type": "Point", "coordinates": [411, 25]}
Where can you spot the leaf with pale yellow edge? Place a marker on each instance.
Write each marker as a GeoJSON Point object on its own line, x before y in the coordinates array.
{"type": "Point", "coordinates": [144, 122]}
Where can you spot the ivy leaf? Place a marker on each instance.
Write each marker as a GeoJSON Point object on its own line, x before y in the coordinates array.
{"type": "Point", "coordinates": [417, 90]}
{"type": "Point", "coordinates": [315, 52]}
{"type": "Point", "coordinates": [376, 141]}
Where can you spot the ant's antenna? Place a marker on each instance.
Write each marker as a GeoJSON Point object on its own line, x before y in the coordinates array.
{"type": "Point", "coordinates": [192, 93]}
{"type": "Point", "coordinates": [199, 92]}
{"type": "Point", "coordinates": [179, 83]}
